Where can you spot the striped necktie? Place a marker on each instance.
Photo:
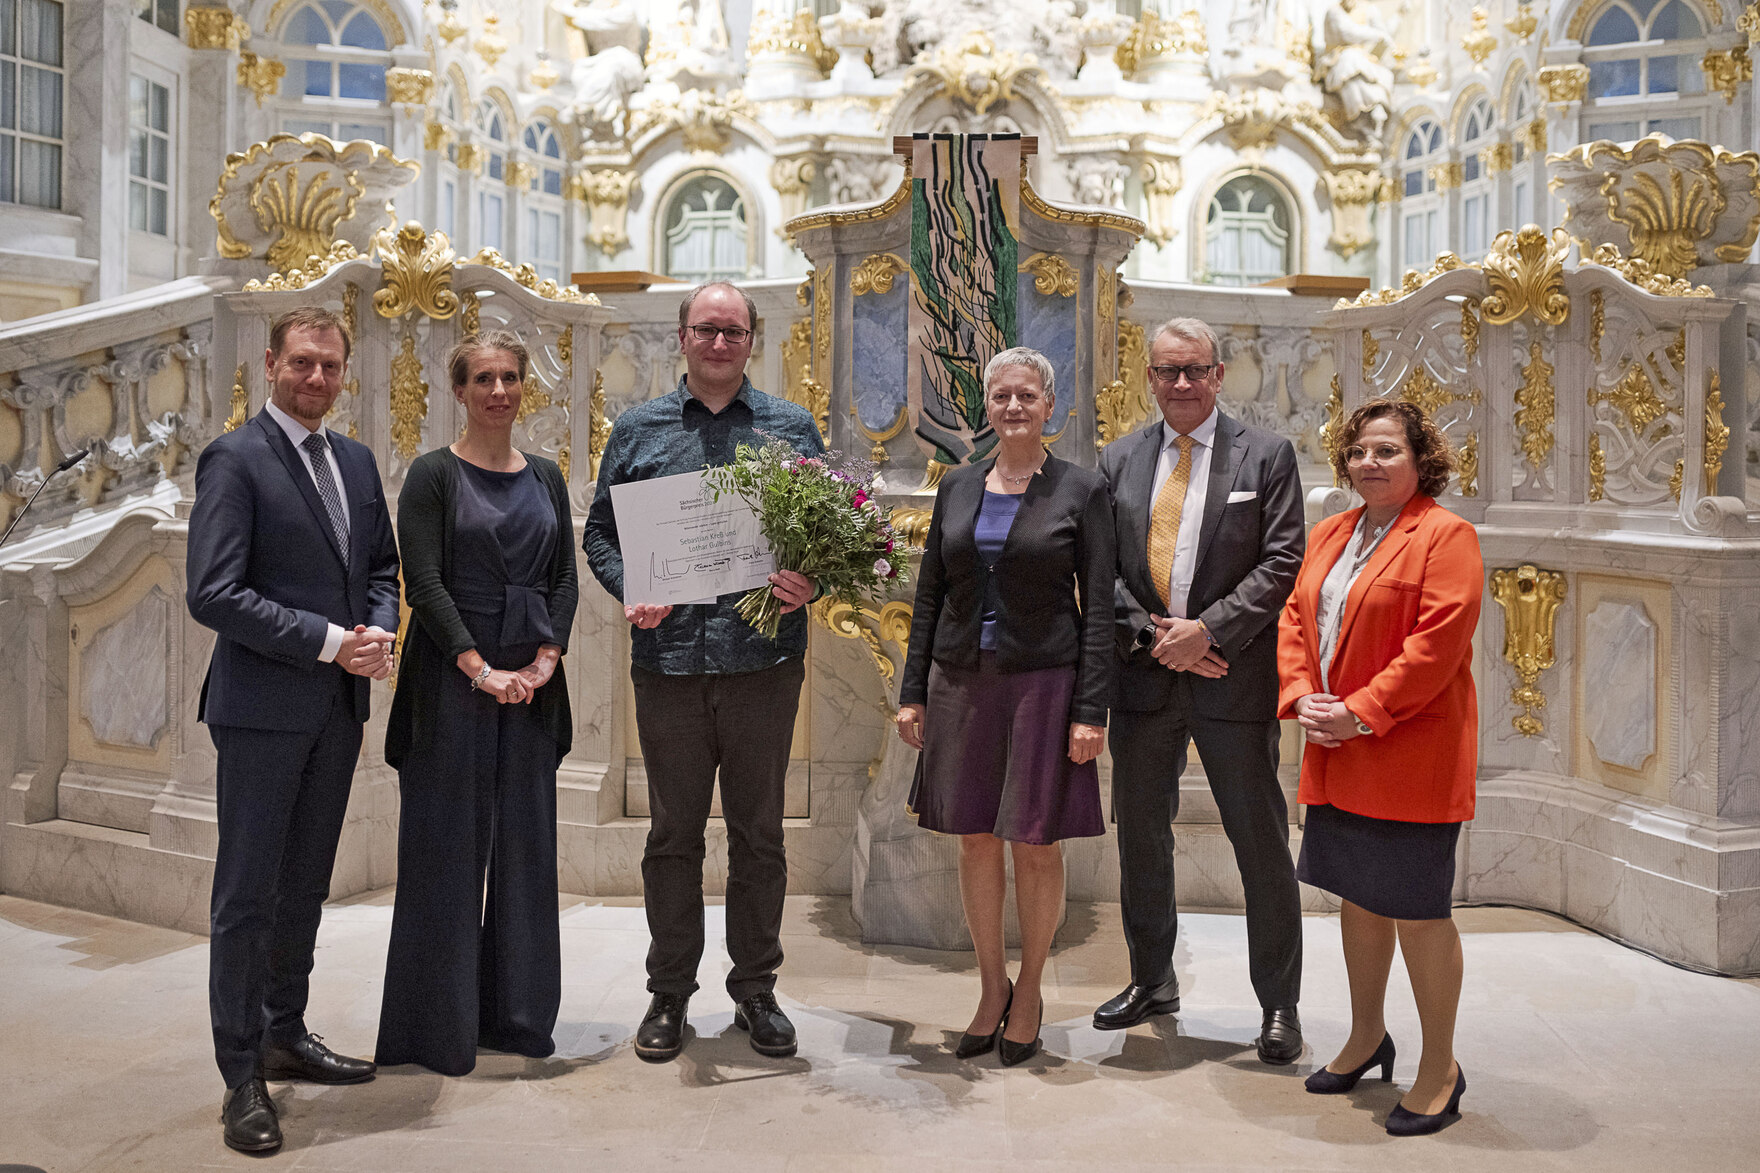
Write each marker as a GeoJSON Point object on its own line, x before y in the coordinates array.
{"type": "Point", "coordinates": [1164, 521]}
{"type": "Point", "coordinates": [314, 444]}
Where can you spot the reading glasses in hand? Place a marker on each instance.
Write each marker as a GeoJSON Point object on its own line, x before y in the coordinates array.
{"type": "Point", "coordinates": [734, 334]}
{"type": "Point", "coordinates": [1195, 372]}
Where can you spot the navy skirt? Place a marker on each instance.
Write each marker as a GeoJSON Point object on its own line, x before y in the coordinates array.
{"type": "Point", "coordinates": [1404, 871]}
{"type": "Point", "coordinates": [995, 757]}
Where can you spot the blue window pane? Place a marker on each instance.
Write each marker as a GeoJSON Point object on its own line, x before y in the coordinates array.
{"type": "Point", "coordinates": [552, 148]}
{"type": "Point", "coordinates": [337, 9]}
{"type": "Point", "coordinates": [1662, 75]}
{"type": "Point", "coordinates": [1613, 79]}
{"type": "Point", "coordinates": [497, 167]}
{"type": "Point", "coordinates": [1435, 138]}
{"type": "Point", "coordinates": [371, 131]}
{"type": "Point", "coordinates": [1472, 126]}
{"type": "Point", "coordinates": [552, 182]}
{"type": "Point", "coordinates": [307, 28]}
{"type": "Point", "coordinates": [8, 26]}
{"type": "Point", "coordinates": [317, 78]}
{"type": "Point", "coordinates": [1676, 22]}
{"type": "Point", "coordinates": [1691, 75]}
{"type": "Point", "coordinates": [8, 88]}
{"type": "Point", "coordinates": [1415, 145]}
{"type": "Point", "coordinates": [39, 101]}
{"type": "Point", "coordinates": [363, 81]}
{"type": "Point", "coordinates": [1676, 128]}
{"type": "Point", "coordinates": [1470, 168]}
{"type": "Point", "coordinates": [159, 108]}
{"type": "Point", "coordinates": [531, 137]}
{"type": "Point", "coordinates": [363, 33]}
{"type": "Point", "coordinates": [39, 174]}
{"type": "Point", "coordinates": [137, 153]}
{"type": "Point", "coordinates": [1414, 183]}
{"type": "Point", "coordinates": [1619, 132]}
{"type": "Point", "coordinates": [40, 40]}
{"type": "Point", "coordinates": [1614, 28]}
{"type": "Point", "coordinates": [7, 143]}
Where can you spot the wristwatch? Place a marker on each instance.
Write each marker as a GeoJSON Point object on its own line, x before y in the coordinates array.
{"type": "Point", "coordinates": [477, 680]}
{"type": "Point", "coordinates": [1361, 727]}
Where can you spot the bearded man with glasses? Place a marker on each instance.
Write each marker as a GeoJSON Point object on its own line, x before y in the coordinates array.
{"type": "Point", "coordinates": [713, 696]}
{"type": "Point", "coordinates": [1208, 514]}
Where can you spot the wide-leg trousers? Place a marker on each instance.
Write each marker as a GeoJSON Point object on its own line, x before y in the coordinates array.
{"type": "Point", "coordinates": [692, 729]}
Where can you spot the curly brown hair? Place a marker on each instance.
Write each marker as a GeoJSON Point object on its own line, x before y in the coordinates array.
{"type": "Point", "coordinates": [1430, 448]}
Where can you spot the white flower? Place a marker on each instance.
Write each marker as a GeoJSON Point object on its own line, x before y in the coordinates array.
{"type": "Point", "coordinates": [882, 568]}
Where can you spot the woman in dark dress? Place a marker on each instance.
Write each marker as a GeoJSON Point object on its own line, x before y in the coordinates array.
{"type": "Point", "coordinates": [479, 722]}
{"type": "Point", "coordinates": [1005, 686]}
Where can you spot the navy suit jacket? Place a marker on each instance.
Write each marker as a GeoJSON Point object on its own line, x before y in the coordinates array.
{"type": "Point", "coordinates": [266, 573]}
{"type": "Point", "coordinates": [1249, 551]}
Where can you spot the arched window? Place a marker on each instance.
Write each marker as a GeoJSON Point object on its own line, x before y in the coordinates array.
{"type": "Point", "coordinates": [1420, 207]}
{"type": "Point", "coordinates": [336, 62]}
{"type": "Point", "coordinates": [705, 228]}
{"type": "Point", "coordinates": [491, 126]}
{"type": "Point", "coordinates": [1248, 233]}
{"type": "Point", "coordinates": [1475, 180]}
{"type": "Point", "coordinates": [1642, 53]}
{"type": "Point", "coordinates": [543, 244]}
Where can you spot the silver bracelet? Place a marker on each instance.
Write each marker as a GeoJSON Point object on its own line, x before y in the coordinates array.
{"type": "Point", "coordinates": [477, 680]}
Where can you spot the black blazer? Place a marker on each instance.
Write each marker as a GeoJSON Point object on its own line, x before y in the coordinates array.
{"type": "Point", "coordinates": [1249, 551]}
{"type": "Point", "coordinates": [436, 635]}
{"type": "Point", "coordinates": [1059, 549]}
{"type": "Point", "coordinates": [266, 573]}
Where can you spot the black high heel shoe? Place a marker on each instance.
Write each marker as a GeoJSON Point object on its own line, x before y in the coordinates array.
{"type": "Point", "coordinates": [1325, 1082]}
{"type": "Point", "coordinates": [1013, 1054]}
{"type": "Point", "coordinates": [970, 1045]}
{"type": "Point", "coordinates": [1404, 1122]}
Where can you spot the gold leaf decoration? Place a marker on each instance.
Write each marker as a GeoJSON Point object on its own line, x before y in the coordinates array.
{"type": "Point", "coordinates": [1535, 407]}
{"type": "Point", "coordinates": [1597, 468]}
{"type": "Point", "coordinates": [1597, 323]}
{"type": "Point", "coordinates": [973, 72]}
{"type": "Point", "coordinates": [1469, 329]}
{"type": "Point", "coordinates": [599, 428]}
{"type": "Point", "coordinates": [1371, 350]}
{"type": "Point", "coordinates": [1469, 466]}
{"type": "Point", "coordinates": [1526, 275]}
{"type": "Point", "coordinates": [1677, 480]}
{"type": "Point", "coordinates": [1051, 275]}
{"type": "Point", "coordinates": [305, 215]}
{"type": "Point", "coordinates": [1639, 273]}
{"type": "Point", "coordinates": [1634, 397]}
{"type": "Point", "coordinates": [1530, 598]}
{"type": "Point", "coordinates": [409, 398]}
{"type": "Point", "coordinates": [1716, 435]}
{"type": "Point", "coordinates": [417, 270]}
{"type": "Point", "coordinates": [1123, 404]}
{"type": "Point", "coordinates": [472, 322]}
{"type": "Point", "coordinates": [1329, 431]}
{"type": "Point", "coordinates": [240, 402]}
{"type": "Point", "coordinates": [876, 273]}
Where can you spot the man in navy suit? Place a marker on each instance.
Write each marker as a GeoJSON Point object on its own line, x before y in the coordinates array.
{"type": "Point", "coordinates": [293, 564]}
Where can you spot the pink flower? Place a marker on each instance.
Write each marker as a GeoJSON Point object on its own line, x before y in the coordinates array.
{"type": "Point", "coordinates": [883, 568]}
{"type": "Point", "coordinates": [861, 499]}
{"type": "Point", "coordinates": [889, 545]}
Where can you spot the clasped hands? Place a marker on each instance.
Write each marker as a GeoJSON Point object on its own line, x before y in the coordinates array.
{"type": "Point", "coordinates": [513, 687]}
{"type": "Point", "coordinates": [1325, 721]}
{"type": "Point", "coordinates": [1180, 644]}
{"type": "Point", "coordinates": [366, 651]}
{"type": "Point", "coordinates": [793, 589]}
{"type": "Point", "coordinates": [1085, 741]}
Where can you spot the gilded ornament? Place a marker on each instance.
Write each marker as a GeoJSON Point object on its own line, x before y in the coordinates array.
{"type": "Point", "coordinates": [240, 405]}
{"type": "Point", "coordinates": [1161, 180]}
{"type": "Point", "coordinates": [1051, 275]}
{"type": "Point", "coordinates": [1329, 431]}
{"type": "Point", "coordinates": [792, 177]}
{"type": "Point", "coordinates": [1446, 262]}
{"type": "Point", "coordinates": [451, 27]}
{"type": "Point", "coordinates": [1535, 135]}
{"type": "Point", "coordinates": [1597, 323]}
{"type": "Point", "coordinates": [543, 75]}
{"type": "Point", "coordinates": [1122, 405]}
{"type": "Point", "coordinates": [886, 207]}
{"type": "Point", "coordinates": [1523, 23]}
{"type": "Point", "coordinates": [491, 45]}
{"type": "Point", "coordinates": [1716, 435]}
{"type": "Point", "coordinates": [1526, 275]}
{"type": "Point", "coordinates": [1480, 42]}
{"type": "Point", "coordinates": [314, 268]}
{"type": "Point", "coordinates": [214, 28]}
{"type": "Point", "coordinates": [305, 215]}
{"type": "Point", "coordinates": [1498, 158]}
{"type": "Point", "coordinates": [1725, 71]}
{"type": "Point", "coordinates": [890, 624]}
{"type": "Point", "coordinates": [878, 453]}
{"type": "Point", "coordinates": [1468, 471]}
{"type": "Point", "coordinates": [1634, 397]}
{"type": "Point", "coordinates": [1597, 468]}
{"type": "Point", "coordinates": [607, 195]}
{"type": "Point", "coordinates": [1469, 329]}
{"type": "Point", "coordinates": [384, 11]}
{"type": "Point", "coordinates": [703, 118]}
{"type": "Point", "coordinates": [1424, 391]}
{"type": "Point", "coordinates": [260, 75]}
{"type": "Point", "coordinates": [526, 275]}
{"type": "Point", "coordinates": [1535, 407]}
{"type": "Point", "coordinates": [409, 396]}
{"type": "Point", "coordinates": [797, 356]}
{"type": "Point", "coordinates": [1421, 73]}
{"type": "Point", "coordinates": [471, 158]}
{"type": "Point", "coordinates": [598, 427]}
{"type": "Point", "coordinates": [1749, 22]}
{"type": "Point", "coordinates": [417, 270]}
{"type": "Point", "coordinates": [1447, 176]}
{"type": "Point", "coordinates": [1677, 479]}
{"type": "Point", "coordinates": [435, 136]}
{"type": "Point", "coordinates": [1154, 38]}
{"type": "Point", "coordinates": [1636, 271]}
{"type": "Point", "coordinates": [1351, 193]}
{"type": "Point", "coordinates": [409, 87]}
{"type": "Point", "coordinates": [973, 73]}
{"type": "Point", "coordinates": [472, 321]}
{"type": "Point", "coordinates": [1371, 350]}
{"type": "Point", "coordinates": [1563, 84]}
{"type": "Point", "coordinates": [565, 355]}
{"type": "Point", "coordinates": [876, 274]}
{"type": "Point", "coordinates": [1530, 598]}
{"type": "Point", "coordinates": [520, 175]}
{"type": "Point", "coordinates": [798, 38]}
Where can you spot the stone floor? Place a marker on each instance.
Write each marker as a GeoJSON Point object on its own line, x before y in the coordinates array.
{"type": "Point", "coordinates": [1580, 1055]}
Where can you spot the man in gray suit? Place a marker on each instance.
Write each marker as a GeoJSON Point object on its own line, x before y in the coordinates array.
{"type": "Point", "coordinates": [1209, 518]}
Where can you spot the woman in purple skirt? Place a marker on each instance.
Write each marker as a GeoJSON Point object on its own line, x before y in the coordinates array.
{"type": "Point", "coordinates": [1006, 684]}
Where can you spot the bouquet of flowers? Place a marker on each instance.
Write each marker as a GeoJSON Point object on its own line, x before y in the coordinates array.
{"type": "Point", "coordinates": [821, 519]}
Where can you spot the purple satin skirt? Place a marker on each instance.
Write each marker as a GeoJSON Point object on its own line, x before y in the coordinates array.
{"type": "Point", "coordinates": [996, 757]}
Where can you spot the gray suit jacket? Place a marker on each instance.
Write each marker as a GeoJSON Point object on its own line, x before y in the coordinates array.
{"type": "Point", "coordinates": [1248, 554]}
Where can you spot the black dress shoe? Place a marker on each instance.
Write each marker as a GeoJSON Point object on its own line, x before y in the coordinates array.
{"type": "Point", "coordinates": [772, 1033]}
{"type": "Point", "coordinates": [1013, 1054]}
{"type": "Point", "coordinates": [661, 1035]}
{"type": "Point", "coordinates": [1404, 1122]}
{"type": "Point", "coordinates": [1138, 1004]}
{"type": "Point", "coordinates": [970, 1046]}
{"type": "Point", "coordinates": [1280, 1038]}
{"type": "Point", "coordinates": [310, 1059]}
{"type": "Point", "coordinates": [1327, 1082]}
{"type": "Point", "coordinates": [249, 1118]}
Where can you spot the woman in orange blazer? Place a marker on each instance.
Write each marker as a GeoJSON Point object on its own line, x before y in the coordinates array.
{"type": "Point", "coordinates": [1374, 652]}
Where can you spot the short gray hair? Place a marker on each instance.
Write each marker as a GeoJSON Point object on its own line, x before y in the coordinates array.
{"type": "Point", "coordinates": [1022, 356]}
{"type": "Point", "coordinates": [684, 307]}
{"type": "Point", "coordinates": [1192, 330]}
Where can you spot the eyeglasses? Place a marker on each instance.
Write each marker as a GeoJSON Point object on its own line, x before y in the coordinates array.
{"type": "Point", "coordinates": [734, 334]}
{"type": "Point", "coordinates": [1383, 453]}
{"type": "Point", "coordinates": [1195, 372]}
{"type": "Point", "coordinates": [1027, 399]}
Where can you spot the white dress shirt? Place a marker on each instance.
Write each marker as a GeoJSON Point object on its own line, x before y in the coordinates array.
{"type": "Point", "coordinates": [1191, 514]}
{"type": "Point", "coordinates": [296, 435]}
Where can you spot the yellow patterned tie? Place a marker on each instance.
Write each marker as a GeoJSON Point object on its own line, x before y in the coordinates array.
{"type": "Point", "coordinates": [1164, 521]}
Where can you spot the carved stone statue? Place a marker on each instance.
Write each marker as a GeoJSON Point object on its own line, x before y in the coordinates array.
{"type": "Point", "coordinates": [1353, 43]}
{"type": "Point", "coordinates": [608, 66]}
{"type": "Point", "coordinates": [1254, 53]}
{"type": "Point", "coordinates": [1048, 29]}
{"type": "Point", "coordinates": [691, 50]}
{"type": "Point", "coordinates": [1097, 179]}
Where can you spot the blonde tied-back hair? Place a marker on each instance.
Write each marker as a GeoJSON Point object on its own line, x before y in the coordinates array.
{"type": "Point", "coordinates": [458, 363]}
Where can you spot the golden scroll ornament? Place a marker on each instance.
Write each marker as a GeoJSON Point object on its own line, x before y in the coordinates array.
{"type": "Point", "coordinates": [1051, 275]}
{"type": "Point", "coordinates": [1716, 435]}
{"type": "Point", "coordinates": [409, 398]}
{"type": "Point", "coordinates": [1530, 598]}
{"type": "Point", "coordinates": [417, 270]}
{"type": "Point", "coordinates": [1535, 406]}
{"type": "Point", "coordinates": [1526, 275]}
{"type": "Point", "coordinates": [876, 273]}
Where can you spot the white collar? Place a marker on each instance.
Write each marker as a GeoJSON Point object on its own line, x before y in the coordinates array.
{"type": "Point", "coordinates": [296, 431]}
{"type": "Point", "coordinates": [1204, 433]}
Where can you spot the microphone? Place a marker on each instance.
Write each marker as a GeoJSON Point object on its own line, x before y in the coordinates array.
{"type": "Point", "coordinates": [67, 462]}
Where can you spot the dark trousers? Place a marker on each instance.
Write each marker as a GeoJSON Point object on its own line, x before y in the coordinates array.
{"type": "Point", "coordinates": [281, 798]}
{"type": "Point", "coordinates": [1240, 757]}
{"type": "Point", "coordinates": [690, 727]}
{"type": "Point", "coordinates": [475, 956]}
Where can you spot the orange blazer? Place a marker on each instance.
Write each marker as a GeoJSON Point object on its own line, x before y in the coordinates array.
{"type": "Point", "coordinates": [1404, 666]}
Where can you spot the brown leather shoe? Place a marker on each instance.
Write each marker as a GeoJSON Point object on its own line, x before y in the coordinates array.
{"type": "Point", "coordinates": [310, 1059]}
{"type": "Point", "coordinates": [249, 1118]}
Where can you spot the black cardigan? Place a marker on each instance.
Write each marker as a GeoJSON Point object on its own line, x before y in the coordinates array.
{"type": "Point", "coordinates": [1060, 546]}
{"type": "Point", "coordinates": [436, 635]}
